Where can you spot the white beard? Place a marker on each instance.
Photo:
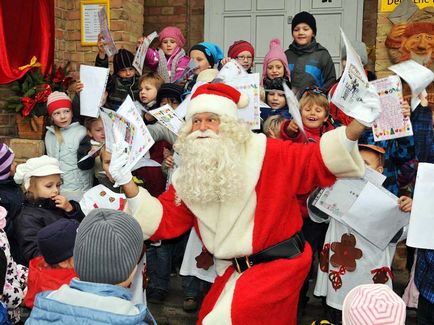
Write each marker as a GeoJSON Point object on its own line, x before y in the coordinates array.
{"type": "Point", "coordinates": [210, 168]}
{"type": "Point", "coordinates": [425, 59]}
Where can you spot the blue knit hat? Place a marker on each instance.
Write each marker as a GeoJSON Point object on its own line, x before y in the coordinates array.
{"type": "Point", "coordinates": [212, 52]}
{"type": "Point", "coordinates": [56, 241]}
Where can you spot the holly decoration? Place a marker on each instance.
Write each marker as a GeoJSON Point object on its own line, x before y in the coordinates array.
{"type": "Point", "coordinates": [381, 275]}
{"type": "Point", "coordinates": [33, 89]}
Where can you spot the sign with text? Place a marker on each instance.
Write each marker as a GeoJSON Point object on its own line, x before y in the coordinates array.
{"type": "Point", "coordinates": [390, 5]}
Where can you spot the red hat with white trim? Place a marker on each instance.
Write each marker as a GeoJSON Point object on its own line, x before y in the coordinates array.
{"type": "Point", "coordinates": [373, 304]}
{"type": "Point", "coordinates": [58, 100]}
{"type": "Point", "coordinates": [217, 98]}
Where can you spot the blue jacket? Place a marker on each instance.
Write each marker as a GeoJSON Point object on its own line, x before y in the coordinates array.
{"type": "Point", "coordinates": [88, 303]}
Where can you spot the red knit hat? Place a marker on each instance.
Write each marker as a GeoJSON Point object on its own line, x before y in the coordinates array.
{"type": "Point", "coordinates": [58, 100]}
{"type": "Point", "coordinates": [220, 99]}
{"type": "Point", "coordinates": [240, 46]}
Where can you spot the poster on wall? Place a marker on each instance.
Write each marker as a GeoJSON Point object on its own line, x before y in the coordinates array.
{"type": "Point", "coordinates": [89, 21]}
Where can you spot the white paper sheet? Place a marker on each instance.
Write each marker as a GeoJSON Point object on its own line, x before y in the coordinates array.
{"type": "Point", "coordinates": [249, 85]}
{"type": "Point", "coordinates": [230, 71]}
{"type": "Point", "coordinates": [139, 58]}
{"type": "Point", "coordinates": [416, 75]}
{"type": "Point", "coordinates": [391, 124]}
{"type": "Point", "coordinates": [109, 44]}
{"type": "Point", "coordinates": [107, 118]}
{"type": "Point", "coordinates": [129, 123]}
{"type": "Point", "coordinates": [354, 87]}
{"type": "Point", "coordinates": [166, 116]}
{"type": "Point", "coordinates": [420, 231]}
{"type": "Point", "coordinates": [376, 216]}
{"type": "Point", "coordinates": [374, 177]}
{"type": "Point", "coordinates": [94, 80]}
{"type": "Point", "coordinates": [294, 109]}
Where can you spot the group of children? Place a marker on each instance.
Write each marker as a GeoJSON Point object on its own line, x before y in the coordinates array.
{"type": "Point", "coordinates": [51, 241]}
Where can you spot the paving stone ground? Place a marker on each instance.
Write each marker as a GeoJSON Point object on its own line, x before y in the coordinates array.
{"type": "Point", "coordinates": [171, 312]}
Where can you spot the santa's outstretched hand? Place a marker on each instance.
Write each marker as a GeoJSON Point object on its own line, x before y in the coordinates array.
{"type": "Point", "coordinates": [120, 173]}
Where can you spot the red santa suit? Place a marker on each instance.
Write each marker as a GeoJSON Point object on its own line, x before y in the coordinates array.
{"type": "Point", "coordinates": [265, 214]}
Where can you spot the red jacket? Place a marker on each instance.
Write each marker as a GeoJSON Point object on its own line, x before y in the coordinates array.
{"type": "Point", "coordinates": [42, 277]}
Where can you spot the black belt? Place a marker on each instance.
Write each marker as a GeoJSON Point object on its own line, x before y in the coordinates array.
{"type": "Point", "coordinates": [289, 248]}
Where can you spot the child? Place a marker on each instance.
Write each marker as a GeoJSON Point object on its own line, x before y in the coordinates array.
{"type": "Point", "coordinates": [14, 281]}
{"type": "Point", "coordinates": [309, 62]}
{"type": "Point", "coordinates": [275, 98]}
{"type": "Point", "coordinates": [243, 52]}
{"type": "Point", "coordinates": [169, 60]}
{"type": "Point", "coordinates": [169, 94]}
{"type": "Point", "coordinates": [92, 142]}
{"type": "Point", "coordinates": [275, 63]}
{"type": "Point", "coordinates": [107, 248]}
{"type": "Point", "coordinates": [56, 266]}
{"type": "Point", "coordinates": [62, 141]}
{"type": "Point", "coordinates": [205, 55]}
{"type": "Point", "coordinates": [373, 304]}
{"type": "Point", "coordinates": [123, 81]}
{"type": "Point", "coordinates": [11, 196]}
{"type": "Point", "coordinates": [41, 181]}
{"type": "Point", "coordinates": [272, 126]}
{"type": "Point", "coordinates": [372, 263]}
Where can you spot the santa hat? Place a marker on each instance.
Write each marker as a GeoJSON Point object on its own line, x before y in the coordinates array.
{"type": "Point", "coordinates": [373, 304]}
{"type": "Point", "coordinates": [240, 46]}
{"type": "Point", "coordinates": [172, 32]}
{"type": "Point", "coordinates": [40, 166]}
{"type": "Point", "coordinates": [6, 159]}
{"type": "Point", "coordinates": [275, 53]}
{"type": "Point", "coordinates": [220, 99]}
{"type": "Point", "coordinates": [58, 100]}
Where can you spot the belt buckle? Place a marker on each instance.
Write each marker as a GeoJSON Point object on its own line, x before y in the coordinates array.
{"type": "Point", "coordinates": [242, 263]}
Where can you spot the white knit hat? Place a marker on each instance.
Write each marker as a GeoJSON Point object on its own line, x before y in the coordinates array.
{"type": "Point", "coordinates": [40, 166]}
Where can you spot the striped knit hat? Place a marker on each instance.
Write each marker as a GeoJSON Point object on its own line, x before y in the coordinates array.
{"type": "Point", "coordinates": [122, 60]}
{"type": "Point", "coordinates": [107, 247]}
{"type": "Point", "coordinates": [6, 159]}
{"type": "Point", "coordinates": [58, 100]}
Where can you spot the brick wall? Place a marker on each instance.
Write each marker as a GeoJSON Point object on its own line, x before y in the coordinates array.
{"type": "Point", "coordinates": [188, 15]}
{"type": "Point", "coordinates": [126, 24]}
{"type": "Point", "coordinates": [7, 116]}
{"type": "Point", "coordinates": [369, 31]}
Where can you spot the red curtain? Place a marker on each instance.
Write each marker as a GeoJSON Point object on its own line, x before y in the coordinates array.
{"type": "Point", "coordinates": [26, 30]}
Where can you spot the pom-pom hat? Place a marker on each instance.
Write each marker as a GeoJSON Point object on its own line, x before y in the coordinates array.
{"type": "Point", "coordinates": [172, 32]}
{"type": "Point", "coordinates": [219, 98]}
{"type": "Point", "coordinates": [275, 53]}
{"type": "Point", "coordinates": [58, 100]}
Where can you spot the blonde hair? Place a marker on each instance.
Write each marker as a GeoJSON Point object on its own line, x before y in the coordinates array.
{"type": "Point", "coordinates": [153, 78]}
{"type": "Point", "coordinates": [58, 134]}
{"type": "Point", "coordinates": [310, 98]}
{"type": "Point", "coordinates": [271, 126]}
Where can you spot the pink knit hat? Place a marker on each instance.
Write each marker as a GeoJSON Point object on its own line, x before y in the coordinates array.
{"type": "Point", "coordinates": [373, 304]}
{"type": "Point", "coordinates": [173, 32]}
{"type": "Point", "coordinates": [275, 53]}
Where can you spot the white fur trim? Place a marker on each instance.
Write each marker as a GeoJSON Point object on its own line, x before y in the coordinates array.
{"type": "Point", "coordinates": [207, 75]}
{"type": "Point", "coordinates": [147, 210]}
{"type": "Point", "coordinates": [208, 103]}
{"type": "Point", "coordinates": [221, 313]}
{"type": "Point", "coordinates": [243, 101]}
{"type": "Point", "coordinates": [227, 228]}
{"type": "Point", "coordinates": [337, 158]}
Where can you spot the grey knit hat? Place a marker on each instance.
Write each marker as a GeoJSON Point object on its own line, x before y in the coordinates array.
{"type": "Point", "coordinates": [107, 247]}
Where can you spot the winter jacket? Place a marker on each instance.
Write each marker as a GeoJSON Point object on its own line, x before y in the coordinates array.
{"type": "Point", "coordinates": [266, 112]}
{"type": "Point", "coordinates": [34, 216]}
{"type": "Point", "coordinates": [15, 282]}
{"type": "Point", "coordinates": [88, 303]}
{"type": "Point", "coordinates": [75, 181]}
{"type": "Point", "coordinates": [43, 277]}
{"type": "Point", "coordinates": [310, 65]}
{"type": "Point", "coordinates": [118, 88]}
{"type": "Point", "coordinates": [169, 68]}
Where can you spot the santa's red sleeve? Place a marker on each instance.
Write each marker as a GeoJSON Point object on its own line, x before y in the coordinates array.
{"type": "Point", "coordinates": [162, 217]}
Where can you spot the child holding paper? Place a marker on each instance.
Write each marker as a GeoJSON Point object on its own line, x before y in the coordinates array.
{"type": "Point", "coordinates": [169, 60]}
{"type": "Point", "coordinates": [62, 141]}
{"type": "Point", "coordinates": [275, 98]}
{"type": "Point", "coordinates": [149, 84]}
{"type": "Point", "coordinates": [243, 52]}
{"type": "Point", "coordinates": [310, 63]}
{"type": "Point", "coordinates": [347, 258]}
{"type": "Point", "coordinates": [123, 81]}
{"type": "Point", "coordinates": [41, 180]}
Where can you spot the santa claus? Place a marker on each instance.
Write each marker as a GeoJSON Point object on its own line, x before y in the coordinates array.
{"type": "Point", "coordinates": [238, 189]}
